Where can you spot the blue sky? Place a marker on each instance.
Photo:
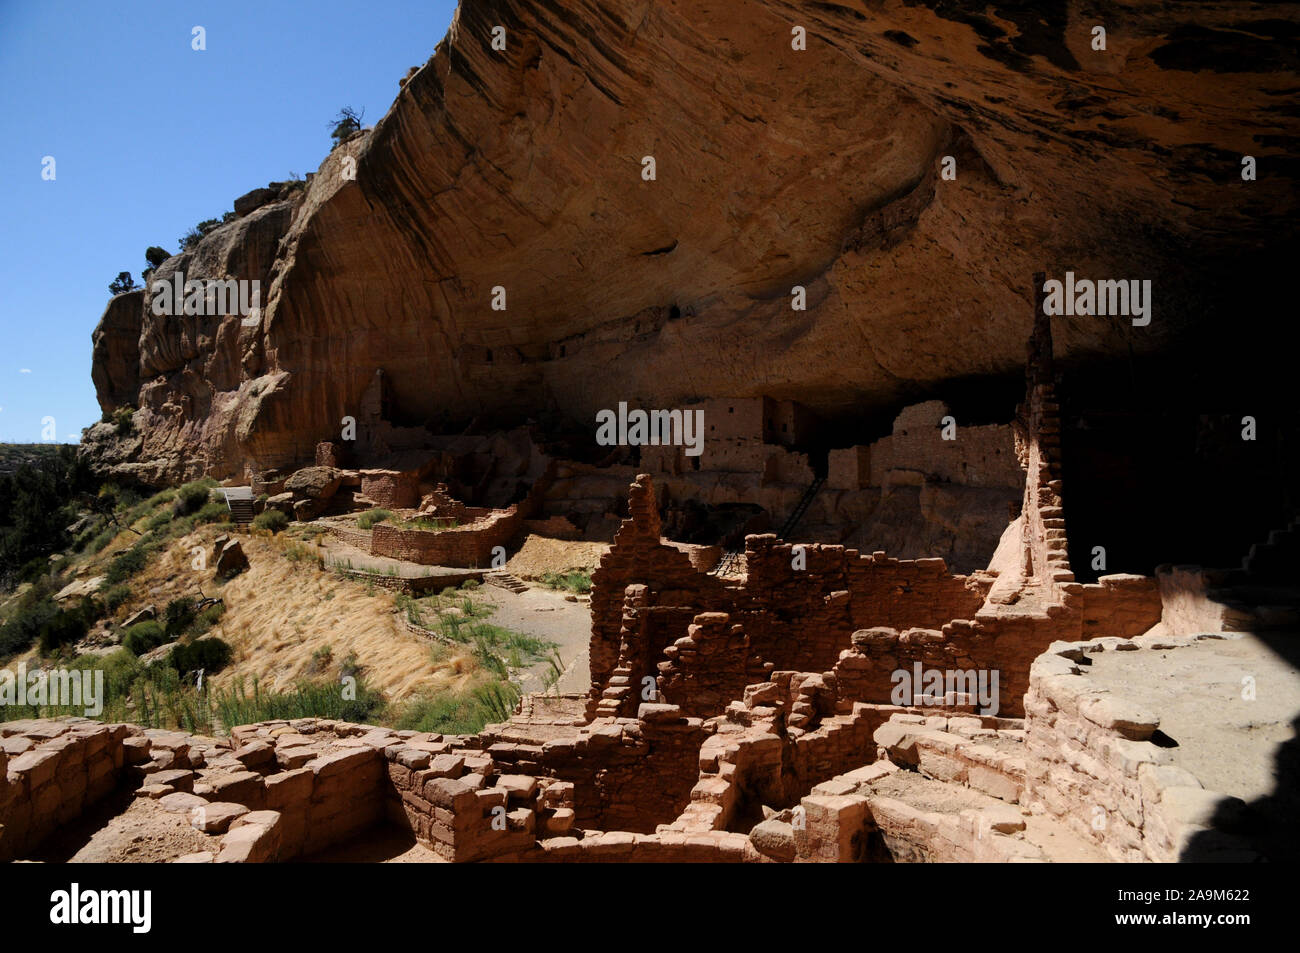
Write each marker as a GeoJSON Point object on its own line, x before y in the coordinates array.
{"type": "Point", "coordinates": [149, 138]}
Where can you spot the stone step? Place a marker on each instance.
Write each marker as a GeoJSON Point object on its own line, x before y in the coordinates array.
{"type": "Point", "coordinates": [505, 580]}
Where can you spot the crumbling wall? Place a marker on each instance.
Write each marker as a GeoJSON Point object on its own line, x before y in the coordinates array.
{"type": "Point", "coordinates": [639, 556]}
{"type": "Point", "coordinates": [709, 666]}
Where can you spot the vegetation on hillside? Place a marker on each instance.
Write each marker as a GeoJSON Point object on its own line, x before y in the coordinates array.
{"type": "Point", "coordinates": [59, 524]}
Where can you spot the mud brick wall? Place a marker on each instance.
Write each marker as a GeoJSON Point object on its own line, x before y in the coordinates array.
{"type": "Point", "coordinates": [1005, 644]}
{"type": "Point", "coordinates": [709, 666]}
{"type": "Point", "coordinates": [466, 546]}
{"type": "Point", "coordinates": [52, 771]}
{"type": "Point", "coordinates": [1091, 763]}
{"type": "Point", "coordinates": [765, 765]}
{"type": "Point", "coordinates": [1000, 638]}
{"type": "Point", "coordinates": [979, 456]}
{"type": "Point", "coordinates": [359, 538]}
{"type": "Point", "coordinates": [460, 546]}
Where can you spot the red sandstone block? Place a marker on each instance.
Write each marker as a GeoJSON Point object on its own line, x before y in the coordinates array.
{"type": "Point", "coordinates": [244, 787]}
{"type": "Point", "coordinates": [341, 762]}
{"type": "Point", "coordinates": [400, 776]}
{"type": "Point", "coordinates": [289, 790]}
{"type": "Point", "coordinates": [450, 794]}
{"type": "Point", "coordinates": [37, 767]}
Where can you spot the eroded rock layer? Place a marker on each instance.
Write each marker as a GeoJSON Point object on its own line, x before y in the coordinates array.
{"type": "Point", "coordinates": [774, 167]}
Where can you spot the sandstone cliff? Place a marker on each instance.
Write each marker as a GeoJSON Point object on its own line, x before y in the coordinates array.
{"type": "Point", "coordinates": [775, 167]}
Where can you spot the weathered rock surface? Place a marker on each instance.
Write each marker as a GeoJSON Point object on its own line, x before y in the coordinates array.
{"type": "Point", "coordinates": [774, 168]}
{"type": "Point", "coordinates": [231, 561]}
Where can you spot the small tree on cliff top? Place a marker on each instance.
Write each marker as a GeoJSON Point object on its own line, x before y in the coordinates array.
{"type": "Point", "coordinates": [347, 122]}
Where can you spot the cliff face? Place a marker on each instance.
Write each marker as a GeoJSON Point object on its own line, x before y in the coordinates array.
{"type": "Point", "coordinates": [774, 167]}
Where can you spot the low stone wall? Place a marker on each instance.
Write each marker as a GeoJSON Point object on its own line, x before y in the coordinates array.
{"type": "Point", "coordinates": [459, 804]}
{"type": "Point", "coordinates": [52, 771]}
{"type": "Point", "coordinates": [1092, 764]}
{"type": "Point", "coordinates": [412, 585]}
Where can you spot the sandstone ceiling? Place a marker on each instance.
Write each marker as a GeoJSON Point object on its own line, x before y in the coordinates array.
{"type": "Point", "coordinates": [774, 167]}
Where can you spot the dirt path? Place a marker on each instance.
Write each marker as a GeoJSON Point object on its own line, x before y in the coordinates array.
{"type": "Point", "coordinates": [546, 614]}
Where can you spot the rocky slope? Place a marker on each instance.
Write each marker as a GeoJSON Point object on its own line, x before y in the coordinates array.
{"type": "Point", "coordinates": [775, 167]}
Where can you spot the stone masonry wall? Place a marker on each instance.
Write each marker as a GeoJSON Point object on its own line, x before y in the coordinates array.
{"type": "Point", "coordinates": [52, 771]}
{"type": "Point", "coordinates": [1091, 763]}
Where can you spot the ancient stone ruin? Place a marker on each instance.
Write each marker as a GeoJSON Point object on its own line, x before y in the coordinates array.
{"type": "Point", "coordinates": [751, 717]}
{"type": "Point", "coordinates": [892, 383]}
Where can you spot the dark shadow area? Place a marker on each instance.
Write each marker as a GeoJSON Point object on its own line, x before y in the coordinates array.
{"type": "Point", "coordinates": [69, 838]}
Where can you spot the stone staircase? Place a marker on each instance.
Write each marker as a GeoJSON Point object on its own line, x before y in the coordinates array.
{"type": "Point", "coordinates": [505, 580]}
{"type": "Point", "coordinates": [239, 500]}
{"type": "Point", "coordinates": [616, 692]}
{"type": "Point", "coordinates": [1278, 558]}
{"type": "Point", "coordinates": [1264, 594]}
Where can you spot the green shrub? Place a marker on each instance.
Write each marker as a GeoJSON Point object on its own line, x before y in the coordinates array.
{"type": "Point", "coordinates": [191, 496]}
{"type": "Point", "coordinates": [213, 512]}
{"type": "Point", "coordinates": [69, 625]}
{"type": "Point", "coordinates": [157, 521]}
{"type": "Point", "coordinates": [143, 636]}
{"type": "Point", "coordinates": [127, 564]}
{"type": "Point", "coordinates": [459, 712]}
{"type": "Point", "coordinates": [102, 540]}
{"type": "Point", "coordinates": [370, 517]}
{"type": "Point", "coordinates": [88, 536]}
{"type": "Point", "coordinates": [178, 616]}
{"type": "Point", "coordinates": [272, 520]}
{"type": "Point", "coordinates": [24, 625]}
{"type": "Point", "coordinates": [430, 524]}
{"type": "Point", "coordinates": [123, 420]}
{"type": "Point", "coordinates": [575, 580]}
{"type": "Point", "coordinates": [236, 706]}
{"type": "Point", "coordinates": [116, 596]}
{"type": "Point", "coordinates": [206, 619]}
{"type": "Point", "coordinates": [211, 655]}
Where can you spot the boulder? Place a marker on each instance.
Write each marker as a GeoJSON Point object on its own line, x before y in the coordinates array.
{"type": "Point", "coordinates": [231, 561]}
{"type": "Point", "coordinates": [148, 612]}
{"type": "Point", "coordinates": [315, 483]}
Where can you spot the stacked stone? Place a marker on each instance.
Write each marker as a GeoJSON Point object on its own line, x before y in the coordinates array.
{"type": "Point", "coordinates": [1092, 764]}
{"type": "Point", "coordinates": [50, 772]}
{"type": "Point", "coordinates": [709, 666]}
